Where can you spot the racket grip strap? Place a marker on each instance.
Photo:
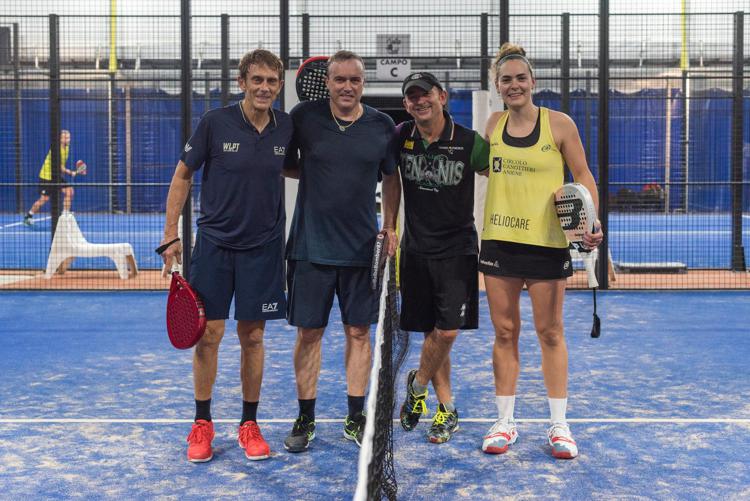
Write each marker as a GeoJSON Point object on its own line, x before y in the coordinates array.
{"type": "Point", "coordinates": [160, 250]}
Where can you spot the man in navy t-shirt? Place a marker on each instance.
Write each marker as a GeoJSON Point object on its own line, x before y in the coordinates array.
{"type": "Point", "coordinates": [239, 245]}
{"type": "Point", "coordinates": [344, 147]}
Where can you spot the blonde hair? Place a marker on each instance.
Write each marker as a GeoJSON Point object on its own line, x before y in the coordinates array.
{"type": "Point", "coordinates": [507, 52]}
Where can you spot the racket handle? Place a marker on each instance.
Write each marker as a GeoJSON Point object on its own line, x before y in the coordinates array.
{"type": "Point", "coordinates": [588, 263]}
{"type": "Point", "coordinates": [378, 261]}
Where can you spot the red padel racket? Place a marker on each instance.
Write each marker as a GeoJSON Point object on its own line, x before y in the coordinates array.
{"type": "Point", "coordinates": [81, 168]}
{"type": "Point", "coordinates": [311, 79]}
{"type": "Point", "coordinates": [186, 317]}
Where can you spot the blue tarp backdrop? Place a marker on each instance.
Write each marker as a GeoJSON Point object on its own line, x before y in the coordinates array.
{"type": "Point", "coordinates": [638, 142]}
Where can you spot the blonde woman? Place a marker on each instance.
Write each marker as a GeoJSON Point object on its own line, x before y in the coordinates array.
{"type": "Point", "coordinates": [523, 244]}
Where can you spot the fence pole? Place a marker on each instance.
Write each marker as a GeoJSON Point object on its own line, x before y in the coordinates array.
{"type": "Point", "coordinates": [565, 64]}
{"type": "Point", "coordinates": [186, 95]}
{"type": "Point", "coordinates": [603, 141]}
{"type": "Point", "coordinates": [738, 252]}
{"type": "Point", "coordinates": [305, 36]}
{"type": "Point", "coordinates": [504, 23]}
{"type": "Point", "coordinates": [225, 82]}
{"type": "Point", "coordinates": [54, 117]}
{"type": "Point", "coordinates": [484, 62]}
{"type": "Point", "coordinates": [284, 40]}
{"type": "Point", "coordinates": [18, 126]}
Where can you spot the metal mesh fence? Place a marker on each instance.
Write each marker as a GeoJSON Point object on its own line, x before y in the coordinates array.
{"type": "Point", "coordinates": [677, 196]}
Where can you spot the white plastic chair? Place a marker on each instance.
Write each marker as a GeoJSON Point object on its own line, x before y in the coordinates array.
{"type": "Point", "coordinates": [69, 243]}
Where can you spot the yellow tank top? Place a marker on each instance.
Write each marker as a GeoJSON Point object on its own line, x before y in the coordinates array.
{"type": "Point", "coordinates": [520, 203]}
{"type": "Point", "coordinates": [46, 170]}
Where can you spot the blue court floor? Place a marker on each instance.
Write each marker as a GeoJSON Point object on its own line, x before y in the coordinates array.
{"type": "Point", "coordinates": [700, 241]}
{"type": "Point", "coordinates": [96, 404]}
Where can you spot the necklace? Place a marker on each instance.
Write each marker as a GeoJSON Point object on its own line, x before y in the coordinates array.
{"type": "Point", "coordinates": [343, 128]}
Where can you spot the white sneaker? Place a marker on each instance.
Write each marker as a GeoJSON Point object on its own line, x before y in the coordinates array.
{"type": "Point", "coordinates": [561, 441]}
{"type": "Point", "coordinates": [502, 434]}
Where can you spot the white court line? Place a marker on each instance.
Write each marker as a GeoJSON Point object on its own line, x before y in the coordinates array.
{"type": "Point", "coordinates": [21, 222]}
{"type": "Point", "coordinates": [290, 421]}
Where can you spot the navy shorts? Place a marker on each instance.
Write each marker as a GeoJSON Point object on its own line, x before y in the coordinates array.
{"type": "Point", "coordinates": [312, 287]}
{"type": "Point", "coordinates": [442, 293]}
{"type": "Point", "coordinates": [510, 259]}
{"type": "Point", "coordinates": [255, 278]}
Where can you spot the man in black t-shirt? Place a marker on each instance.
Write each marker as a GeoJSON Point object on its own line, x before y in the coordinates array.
{"type": "Point", "coordinates": [438, 266]}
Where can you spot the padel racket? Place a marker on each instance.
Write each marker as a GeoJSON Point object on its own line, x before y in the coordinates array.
{"type": "Point", "coordinates": [311, 79]}
{"type": "Point", "coordinates": [81, 168]}
{"type": "Point", "coordinates": [186, 316]}
{"type": "Point", "coordinates": [379, 257]}
{"type": "Point", "coordinates": [577, 214]}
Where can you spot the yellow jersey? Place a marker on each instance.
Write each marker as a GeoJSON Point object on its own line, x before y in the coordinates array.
{"type": "Point", "coordinates": [46, 171]}
{"type": "Point", "coordinates": [520, 202]}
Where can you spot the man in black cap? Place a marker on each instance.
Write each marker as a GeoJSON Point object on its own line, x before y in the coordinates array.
{"type": "Point", "coordinates": [438, 265]}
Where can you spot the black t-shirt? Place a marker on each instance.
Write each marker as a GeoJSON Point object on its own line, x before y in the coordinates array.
{"type": "Point", "coordinates": [438, 186]}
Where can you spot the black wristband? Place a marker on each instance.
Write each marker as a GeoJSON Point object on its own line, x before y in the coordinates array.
{"type": "Point", "coordinates": [159, 250]}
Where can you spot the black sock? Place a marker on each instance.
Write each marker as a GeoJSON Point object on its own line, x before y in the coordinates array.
{"type": "Point", "coordinates": [356, 404]}
{"type": "Point", "coordinates": [249, 411]}
{"type": "Point", "coordinates": [307, 408]}
{"type": "Point", "coordinates": [203, 410]}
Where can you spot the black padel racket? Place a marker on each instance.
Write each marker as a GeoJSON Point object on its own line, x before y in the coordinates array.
{"type": "Point", "coordinates": [311, 79]}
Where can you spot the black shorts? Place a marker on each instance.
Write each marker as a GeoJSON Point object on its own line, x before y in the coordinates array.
{"type": "Point", "coordinates": [311, 289]}
{"type": "Point", "coordinates": [438, 293]}
{"type": "Point", "coordinates": [254, 277]}
{"type": "Point", "coordinates": [509, 259]}
{"type": "Point", "coordinates": [45, 186]}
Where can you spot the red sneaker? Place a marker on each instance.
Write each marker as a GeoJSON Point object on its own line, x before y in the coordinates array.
{"type": "Point", "coordinates": [256, 448]}
{"type": "Point", "coordinates": [199, 441]}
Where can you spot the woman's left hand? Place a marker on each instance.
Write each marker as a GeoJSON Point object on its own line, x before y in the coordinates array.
{"type": "Point", "coordinates": [592, 240]}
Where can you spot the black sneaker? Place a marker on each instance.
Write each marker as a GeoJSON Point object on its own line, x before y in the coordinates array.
{"type": "Point", "coordinates": [302, 434]}
{"type": "Point", "coordinates": [414, 405]}
{"type": "Point", "coordinates": [354, 427]}
{"type": "Point", "coordinates": [27, 220]}
{"type": "Point", "coordinates": [444, 425]}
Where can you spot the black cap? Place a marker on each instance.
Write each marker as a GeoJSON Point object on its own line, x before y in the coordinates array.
{"type": "Point", "coordinates": [423, 80]}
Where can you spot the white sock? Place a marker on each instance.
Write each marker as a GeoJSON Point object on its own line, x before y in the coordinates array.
{"type": "Point", "coordinates": [505, 406]}
{"type": "Point", "coordinates": [557, 408]}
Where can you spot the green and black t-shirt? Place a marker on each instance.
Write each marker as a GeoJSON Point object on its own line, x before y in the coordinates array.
{"type": "Point", "coordinates": [438, 186]}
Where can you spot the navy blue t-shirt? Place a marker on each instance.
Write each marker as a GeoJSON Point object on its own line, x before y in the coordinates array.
{"type": "Point", "coordinates": [335, 220]}
{"type": "Point", "coordinates": [241, 193]}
